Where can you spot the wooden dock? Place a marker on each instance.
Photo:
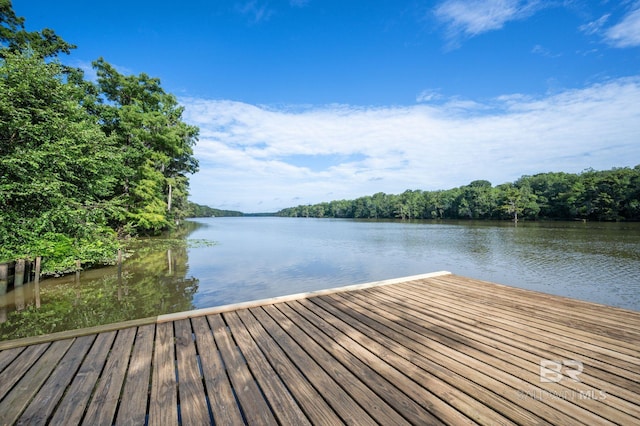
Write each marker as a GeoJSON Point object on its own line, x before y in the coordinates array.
{"type": "Point", "coordinates": [430, 349]}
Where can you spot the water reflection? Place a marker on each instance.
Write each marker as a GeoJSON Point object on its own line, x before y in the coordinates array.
{"type": "Point", "coordinates": [256, 258]}
{"type": "Point", "coordinates": [153, 281]}
{"type": "Point", "coordinates": [265, 257]}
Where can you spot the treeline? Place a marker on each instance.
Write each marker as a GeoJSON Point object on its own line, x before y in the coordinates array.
{"type": "Point", "coordinates": [198, 210]}
{"type": "Point", "coordinates": [609, 195]}
{"type": "Point", "coordinates": [83, 162]}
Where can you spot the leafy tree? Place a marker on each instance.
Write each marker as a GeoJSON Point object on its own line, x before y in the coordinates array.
{"type": "Point", "coordinates": [15, 39]}
{"type": "Point", "coordinates": [631, 203]}
{"type": "Point", "coordinates": [475, 201]}
{"type": "Point", "coordinates": [80, 160]}
{"type": "Point", "coordinates": [552, 191]}
{"type": "Point", "coordinates": [55, 164]}
{"type": "Point", "coordinates": [512, 202]}
{"type": "Point", "coordinates": [157, 147]}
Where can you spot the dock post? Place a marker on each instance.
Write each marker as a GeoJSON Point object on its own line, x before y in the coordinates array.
{"type": "Point", "coordinates": [78, 267]}
{"type": "Point", "coordinates": [18, 280]}
{"type": "Point", "coordinates": [28, 270]}
{"type": "Point", "coordinates": [36, 281]}
{"type": "Point", "coordinates": [119, 274]}
{"type": "Point", "coordinates": [18, 294]}
{"type": "Point", "coordinates": [77, 283]}
{"type": "Point", "coordinates": [4, 278]}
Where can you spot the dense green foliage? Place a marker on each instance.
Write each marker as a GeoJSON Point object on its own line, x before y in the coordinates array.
{"type": "Point", "coordinates": [591, 195]}
{"type": "Point", "coordinates": [15, 39]}
{"type": "Point", "coordinates": [82, 163]}
{"type": "Point", "coordinates": [198, 210]}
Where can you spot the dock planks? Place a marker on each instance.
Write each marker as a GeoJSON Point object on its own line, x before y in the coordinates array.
{"type": "Point", "coordinates": [431, 349]}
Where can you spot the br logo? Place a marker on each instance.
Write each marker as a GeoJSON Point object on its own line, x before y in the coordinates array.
{"type": "Point", "coordinates": [552, 371]}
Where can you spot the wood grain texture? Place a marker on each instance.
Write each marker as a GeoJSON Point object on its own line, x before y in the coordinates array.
{"type": "Point", "coordinates": [163, 406]}
{"type": "Point", "coordinates": [133, 403]}
{"type": "Point", "coordinates": [30, 381]}
{"type": "Point", "coordinates": [78, 394]}
{"type": "Point", "coordinates": [105, 397]}
{"type": "Point", "coordinates": [193, 403]}
{"type": "Point", "coordinates": [45, 401]}
{"type": "Point", "coordinates": [224, 407]}
{"type": "Point", "coordinates": [254, 407]}
{"type": "Point", "coordinates": [432, 349]}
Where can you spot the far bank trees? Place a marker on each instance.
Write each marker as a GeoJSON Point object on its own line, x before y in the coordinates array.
{"type": "Point", "coordinates": [607, 195]}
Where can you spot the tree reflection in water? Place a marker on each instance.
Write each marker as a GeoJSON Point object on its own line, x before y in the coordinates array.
{"type": "Point", "coordinates": [152, 281]}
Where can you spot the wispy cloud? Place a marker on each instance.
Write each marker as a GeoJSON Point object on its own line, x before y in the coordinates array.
{"type": "Point", "coordinates": [257, 11]}
{"type": "Point", "coordinates": [299, 3]}
{"type": "Point", "coordinates": [626, 33]}
{"type": "Point", "coordinates": [543, 51]}
{"type": "Point", "coordinates": [428, 96]}
{"type": "Point", "coordinates": [86, 67]}
{"type": "Point", "coordinates": [465, 19]}
{"type": "Point", "coordinates": [623, 34]}
{"type": "Point", "coordinates": [255, 154]}
{"type": "Point", "coordinates": [595, 27]}
{"type": "Point", "coordinates": [91, 74]}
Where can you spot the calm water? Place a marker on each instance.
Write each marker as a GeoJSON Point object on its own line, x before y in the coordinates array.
{"type": "Point", "coordinates": [255, 258]}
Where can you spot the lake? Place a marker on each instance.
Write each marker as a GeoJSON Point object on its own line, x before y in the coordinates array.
{"type": "Point", "coordinates": [217, 261]}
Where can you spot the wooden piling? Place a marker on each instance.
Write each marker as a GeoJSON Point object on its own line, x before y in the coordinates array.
{"type": "Point", "coordinates": [4, 271]}
{"type": "Point", "coordinates": [4, 277]}
{"type": "Point", "coordinates": [18, 279]}
{"type": "Point", "coordinates": [77, 282]}
{"type": "Point", "coordinates": [37, 272]}
{"type": "Point", "coordinates": [36, 281]}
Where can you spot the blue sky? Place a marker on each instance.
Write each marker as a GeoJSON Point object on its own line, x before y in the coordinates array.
{"type": "Point", "coordinates": [303, 101]}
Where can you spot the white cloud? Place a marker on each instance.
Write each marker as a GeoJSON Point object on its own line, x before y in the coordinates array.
{"type": "Point", "coordinates": [471, 18]}
{"type": "Point", "coordinates": [255, 10]}
{"type": "Point", "coordinates": [299, 3]}
{"type": "Point", "coordinates": [249, 154]}
{"type": "Point", "coordinates": [596, 26]}
{"type": "Point", "coordinates": [91, 74]}
{"type": "Point", "coordinates": [627, 32]}
{"type": "Point", "coordinates": [428, 96]}
{"type": "Point", "coordinates": [543, 51]}
{"type": "Point", "coordinates": [86, 67]}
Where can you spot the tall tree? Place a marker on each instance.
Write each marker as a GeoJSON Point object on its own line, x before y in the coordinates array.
{"type": "Point", "coordinates": [78, 159]}
{"type": "Point", "coordinates": [15, 39]}
{"type": "Point", "coordinates": [157, 146]}
{"type": "Point", "coordinates": [56, 176]}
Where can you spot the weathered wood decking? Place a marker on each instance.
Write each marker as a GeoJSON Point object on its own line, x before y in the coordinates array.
{"type": "Point", "coordinates": [434, 349]}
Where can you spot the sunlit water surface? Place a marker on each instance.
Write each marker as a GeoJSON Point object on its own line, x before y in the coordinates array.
{"type": "Point", "coordinates": [261, 257]}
